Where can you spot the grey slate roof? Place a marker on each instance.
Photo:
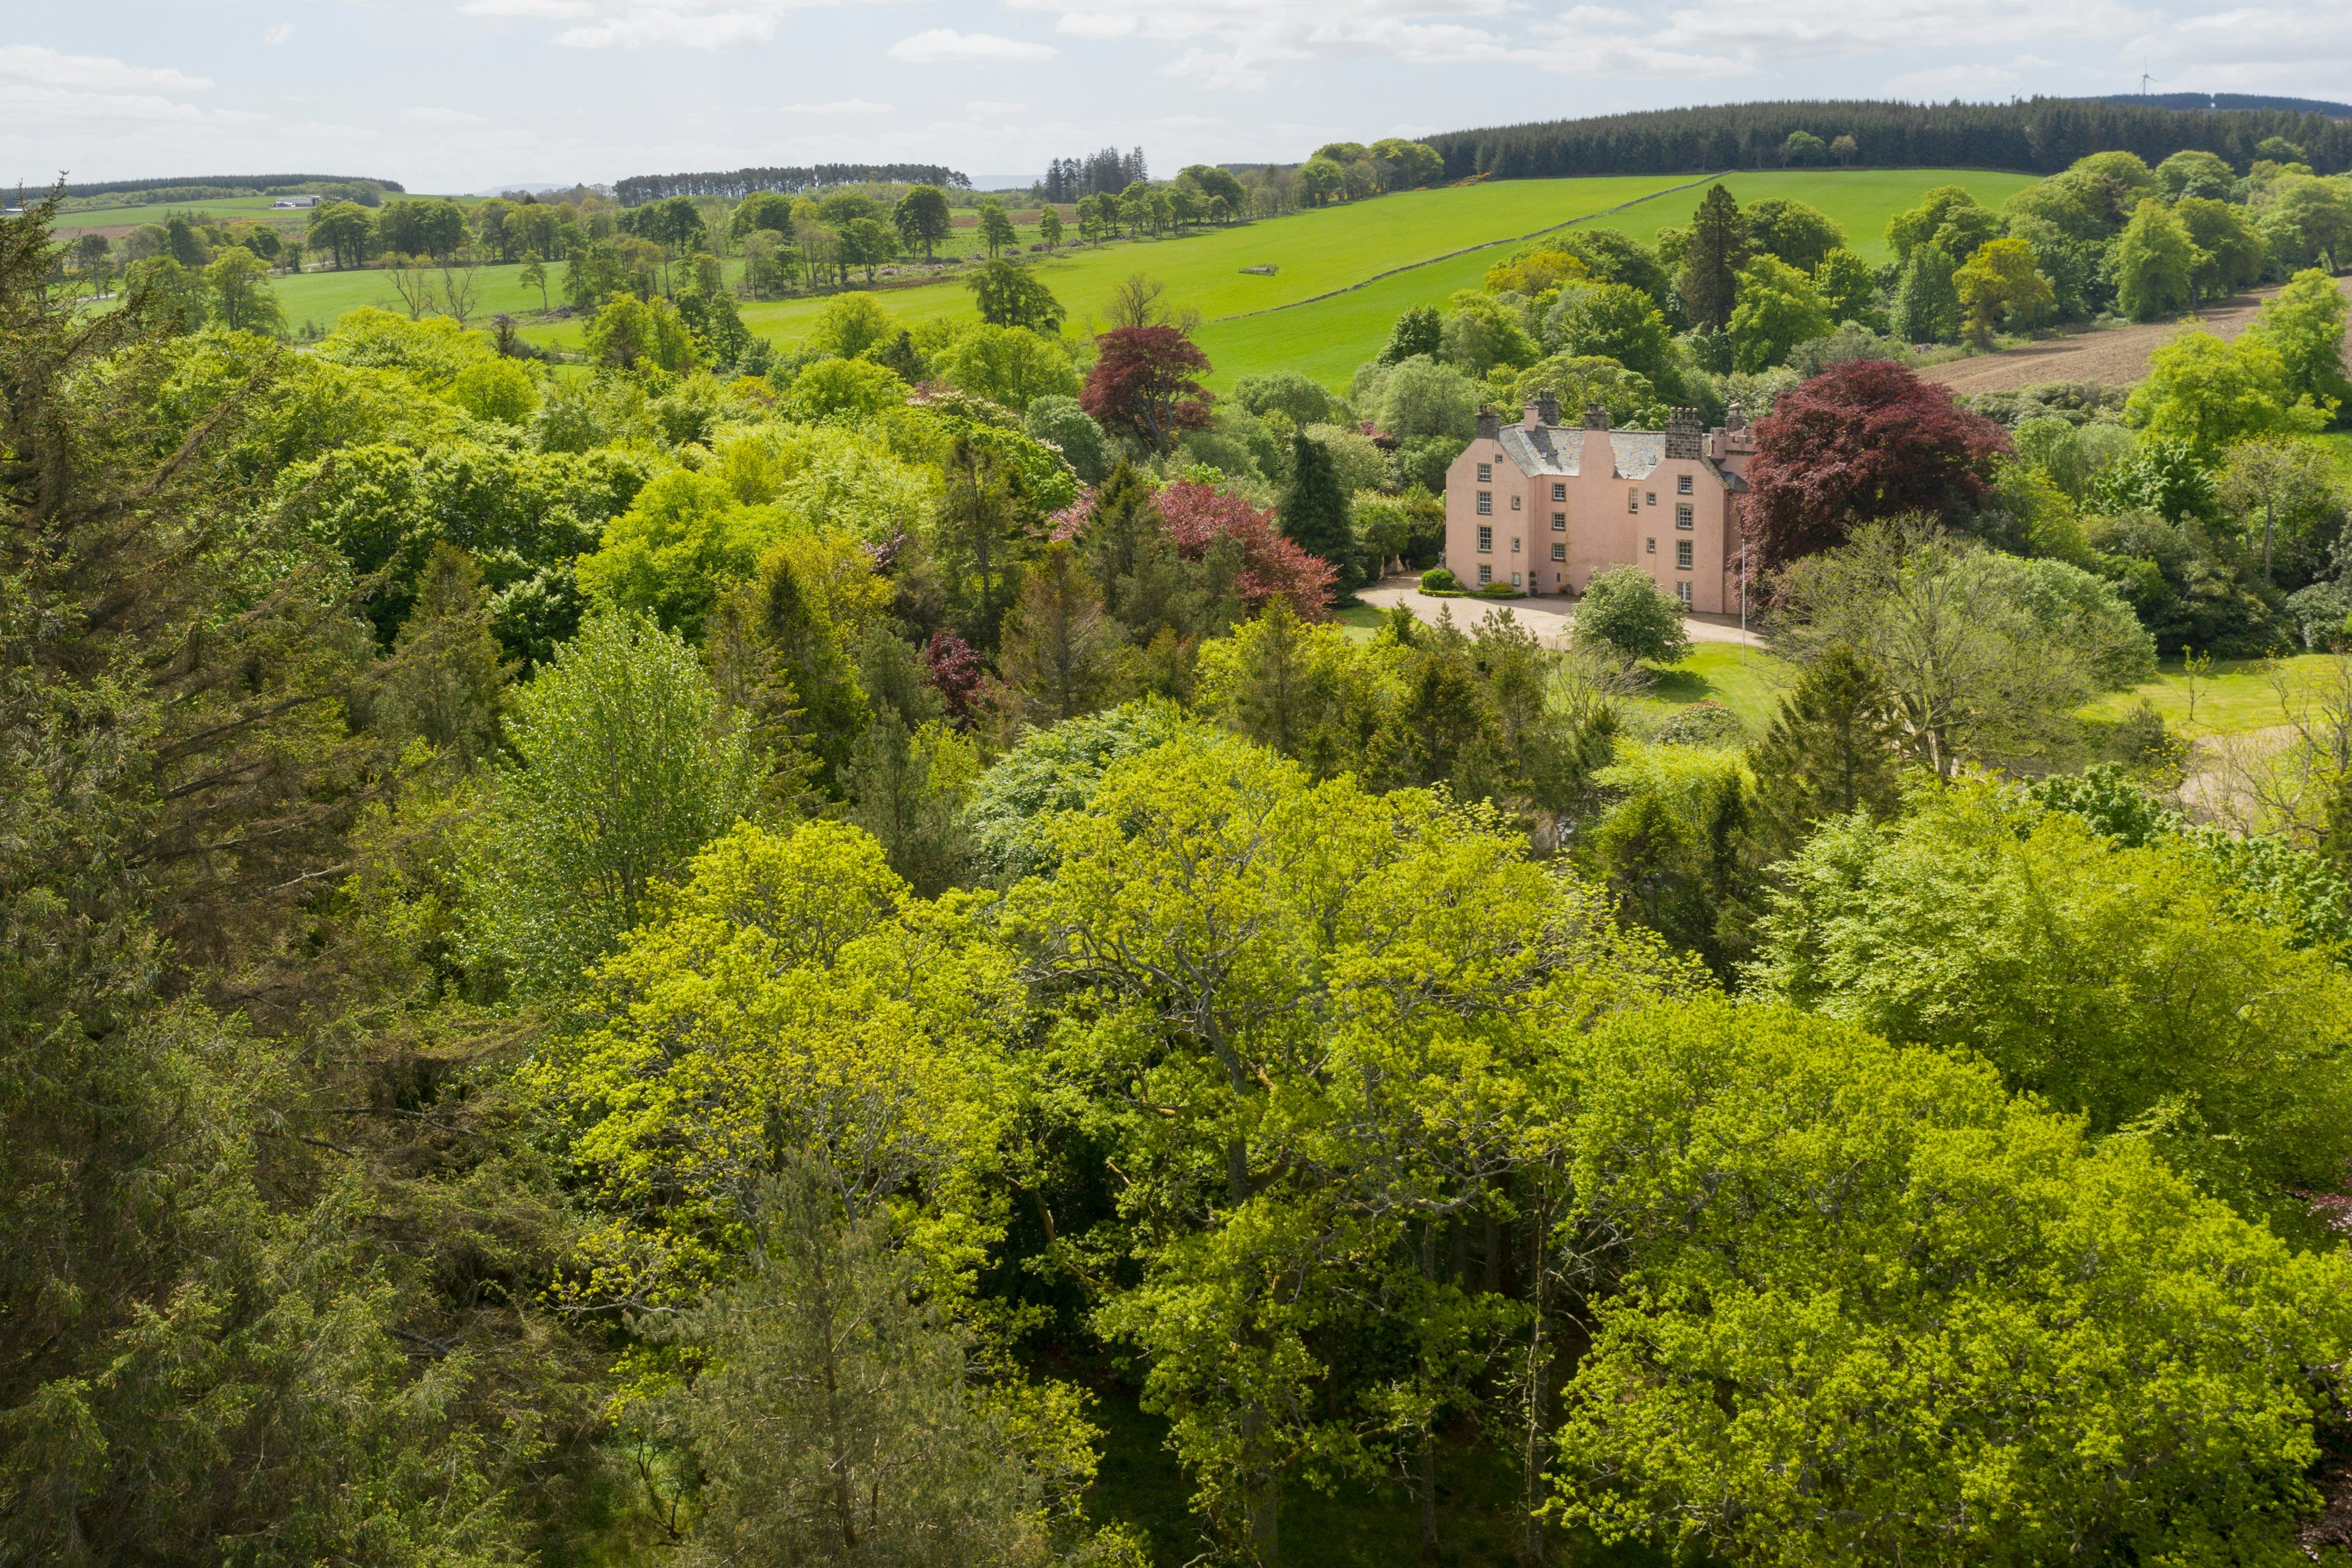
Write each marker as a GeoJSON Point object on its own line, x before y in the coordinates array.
{"type": "Point", "coordinates": [1560, 449]}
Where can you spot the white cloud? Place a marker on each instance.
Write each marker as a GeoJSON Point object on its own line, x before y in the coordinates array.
{"type": "Point", "coordinates": [48, 67]}
{"type": "Point", "coordinates": [945, 46]}
{"type": "Point", "coordinates": [429, 114]}
{"type": "Point", "coordinates": [553, 10]}
{"type": "Point", "coordinates": [283, 33]}
{"type": "Point", "coordinates": [1095, 25]}
{"type": "Point", "coordinates": [986, 106]}
{"type": "Point", "coordinates": [845, 106]}
{"type": "Point", "coordinates": [663, 25]}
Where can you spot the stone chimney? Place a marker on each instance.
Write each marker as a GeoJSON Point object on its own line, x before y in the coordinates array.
{"type": "Point", "coordinates": [1531, 416]}
{"type": "Point", "coordinates": [1547, 405]}
{"type": "Point", "coordinates": [1735, 418]}
{"type": "Point", "coordinates": [1683, 434]}
{"type": "Point", "coordinates": [1490, 423]}
{"type": "Point", "coordinates": [1595, 417]}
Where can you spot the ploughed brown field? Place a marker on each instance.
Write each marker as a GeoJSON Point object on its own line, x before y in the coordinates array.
{"type": "Point", "coordinates": [2115, 357]}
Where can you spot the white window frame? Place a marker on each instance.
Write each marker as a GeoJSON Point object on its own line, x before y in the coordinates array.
{"type": "Point", "coordinates": [1683, 517]}
{"type": "Point", "coordinates": [1486, 503]}
{"type": "Point", "coordinates": [1485, 539]}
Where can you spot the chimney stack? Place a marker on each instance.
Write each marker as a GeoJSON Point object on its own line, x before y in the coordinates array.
{"type": "Point", "coordinates": [1490, 423]}
{"type": "Point", "coordinates": [1683, 433]}
{"type": "Point", "coordinates": [1548, 405]}
{"type": "Point", "coordinates": [1595, 417]}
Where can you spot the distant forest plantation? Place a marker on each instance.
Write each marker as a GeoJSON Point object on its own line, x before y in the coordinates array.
{"type": "Point", "coordinates": [2040, 135]}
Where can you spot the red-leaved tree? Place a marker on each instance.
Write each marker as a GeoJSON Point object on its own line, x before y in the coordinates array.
{"type": "Point", "coordinates": [1860, 441]}
{"type": "Point", "coordinates": [1200, 517]}
{"type": "Point", "coordinates": [1142, 384]}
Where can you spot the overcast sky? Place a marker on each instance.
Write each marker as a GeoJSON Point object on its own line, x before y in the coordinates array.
{"type": "Point", "coordinates": [461, 95]}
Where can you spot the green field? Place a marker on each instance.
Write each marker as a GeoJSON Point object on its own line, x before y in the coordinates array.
{"type": "Point", "coordinates": [1327, 340]}
{"type": "Point", "coordinates": [1252, 322]}
{"type": "Point", "coordinates": [1257, 323]}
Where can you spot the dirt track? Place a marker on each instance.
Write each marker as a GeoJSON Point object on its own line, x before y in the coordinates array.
{"type": "Point", "coordinates": [2116, 357]}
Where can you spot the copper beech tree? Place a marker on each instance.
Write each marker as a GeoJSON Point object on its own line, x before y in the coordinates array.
{"type": "Point", "coordinates": [1860, 442]}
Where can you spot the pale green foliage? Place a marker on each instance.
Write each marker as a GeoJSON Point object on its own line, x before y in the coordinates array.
{"type": "Point", "coordinates": [1612, 320]}
{"type": "Point", "coordinates": [1946, 217]}
{"type": "Point", "coordinates": [1481, 333]}
{"type": "Point", "coordinates": [1872, 1310]}
{"type": "Point", "coordinates": [2303, 325]}
{"type": "Point", "coordinates": [1623, 610]}
{"type": "Point", "coordinates": [1999, 287]}
{"type": "Point", "coordinates": [496, 389]}
{"type": "Point", "coordinates": [1419, 397]}
{"type": "Point", "coordinates": [844, 389]}
{"type": "Point", "coordinates": [2210, 395]}
{"type": "Point", "coordinates": [2153, 261]}
{"type": "Point", "coordinates": [1055, 770]}
{"type": "Point", "coordinates": [682, 544]}
{"type": "Point", "coordinates": [791, 1001]}
{"type": "Point", "coordinates": [849, 325]}
{"type": "Point", "coordinates": [2127, 984]}
{"type": "Point", "coordinates": [1846, 288]}
{"type": "Point", "coordinates": [622, 769]}
{"type": "Point", "coordinates": [431, 351]}
{"type": "Point", "coordinates": [1987, 657]}
{"type": "Point", "coordinates": [1776, 310]}
{"type": "Point", "coordinates": [1578, 380]}
{"type": "Point", "coordinates": [630, 333]}
{"type": "Point", "coordinates": [1010, 366]}
{"type": "Point", "coordinates": [1273, 977]}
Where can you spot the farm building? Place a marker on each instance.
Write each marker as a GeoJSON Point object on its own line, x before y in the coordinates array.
{"type": "Point", "coordinates": [1542, 506]}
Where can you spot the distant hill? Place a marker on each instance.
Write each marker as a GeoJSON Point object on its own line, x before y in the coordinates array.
{"type": "Point", "coordinates": [2210, 101]}
{"type": "Point", "coordinates": [639, 189]}
{"type": "Point", "coordinates": [225, 184]}
{"type": "Point", "coordinates": [2037, 135]}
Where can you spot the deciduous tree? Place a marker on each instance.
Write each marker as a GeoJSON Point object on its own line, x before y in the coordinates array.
{"type": "Point", "coordinates": [1862, 441]}
{"type": "Point", "coordinates": [1142, 384]}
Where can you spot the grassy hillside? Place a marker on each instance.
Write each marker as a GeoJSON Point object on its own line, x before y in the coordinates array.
{"type": "Point", "coordinates": [1327, 340]}
{"type": "Point", "coordinates": [1313, 252]}
{"type": "Point", "coordinates": [1252, 322]}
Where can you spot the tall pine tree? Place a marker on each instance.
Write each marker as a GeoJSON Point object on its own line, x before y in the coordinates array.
{"type": "Point", "coordinates": [1315, 510]}
{"type": "Point", "coordinates": [1833, 749]}
{"type": "Point", "coordinates": [1718, 249]}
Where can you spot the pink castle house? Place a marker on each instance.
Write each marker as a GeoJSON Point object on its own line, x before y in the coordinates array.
{"type": "Point", "coordinates": [1542, 507]}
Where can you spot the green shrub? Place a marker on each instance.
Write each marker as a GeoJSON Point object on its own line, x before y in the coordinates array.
{"type": "Point", "coordinates": [1438, 580]}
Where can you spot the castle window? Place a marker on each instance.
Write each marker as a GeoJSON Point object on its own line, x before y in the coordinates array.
{"type": "Point", "coordinates": [1633, 501]}
{"type": "Point", "coordinates": [1559, 522]}
{"type": "Point", "coordinates": [1682, 484]}
{"type": "Point", "coordinates": [1653, 547]}
{"type": "Point", "coordinates": [1682, 515]}
{"type": "Point", "coordinates": [1486, 473]}
{"type": "Point", "coordinates": [1653, 498]}
{"type": "Point", "coordinates": [1559, 553]}
{"type": "Point", "coordinates": [1681, 554]}
{"type": "Point", "coordinates": [1514, 503]}
{"type": "Point", "coordinates": [1682, 592]}
{"type": "Point", "coordinates": [1558, 490]}
{"type": "Point", "coordinates": [1485, 541]}
{"type": "Point", "coordinates": [1515, 546]}
{"type": "Point", "coordinates": [1486, 503]}
{"type": "Point", "coordinates": [1485, 572]}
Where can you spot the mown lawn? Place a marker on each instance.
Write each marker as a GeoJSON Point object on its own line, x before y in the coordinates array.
{"type": "Point", "coordinates": [1748, 681]}
{"type": "Point", "coordinates": [2238, 696]}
